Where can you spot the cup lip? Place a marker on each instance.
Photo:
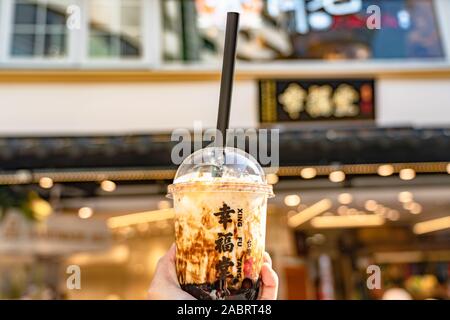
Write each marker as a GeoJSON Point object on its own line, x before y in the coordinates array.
{"type": "Point", "coordinates": [224, 186]}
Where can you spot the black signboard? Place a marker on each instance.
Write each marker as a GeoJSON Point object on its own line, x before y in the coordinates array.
{"type": "Point", "coordinates": [295, 100]}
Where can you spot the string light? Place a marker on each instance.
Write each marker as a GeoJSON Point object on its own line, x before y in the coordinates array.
{"type": "Point", "coordinates": [415, 208]}
{"type": "Point", "coordinates": [337, 176]}
{"type": "Point", "coordinates": [85, 212]}
{"type": "Point", "coordinates": [272, 178]}
{"type": "Point", "coordinates": [345, 198]}
{"type": "Point", "coordinates": [407, 174]}
{"type": "Point", "coordinates": [371, 205]}
{"type": "Point", "coordinates": [405, 196]}
{"type": "Point", "coordinates": [45, 182]}
{"type": "Point", "coordinates": [308, 173]}
{"type": "Point", "coordinates": [393, 215]}
{"type": "Point", "coordinates": [292, 200]}
{"type": "Point", "coordinates": [108, 186]}
{"type": "Point", "coordinates": [385, 170]}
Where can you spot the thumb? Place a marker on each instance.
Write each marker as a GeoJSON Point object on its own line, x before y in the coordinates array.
{"type": "Point", "coordinates": [269, 283]}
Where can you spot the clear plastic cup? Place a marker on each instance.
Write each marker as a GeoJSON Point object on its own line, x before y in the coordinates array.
{"type": "Point", "coordinates": [220, 202]}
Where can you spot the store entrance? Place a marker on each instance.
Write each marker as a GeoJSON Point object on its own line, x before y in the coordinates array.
{"type": "Point", "coordinates": [337, 248]}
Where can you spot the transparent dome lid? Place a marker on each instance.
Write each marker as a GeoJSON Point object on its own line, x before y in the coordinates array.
{"type": "Point", "coordinates": [224, 164]}
{"type": "Point", "coordinates": [225, 168]}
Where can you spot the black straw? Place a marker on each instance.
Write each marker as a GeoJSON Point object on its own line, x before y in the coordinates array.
{"type": "Point", "coordinates": [226, 83]}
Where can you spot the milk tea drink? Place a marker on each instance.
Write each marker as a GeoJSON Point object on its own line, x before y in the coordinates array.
{"type": "Point", "coordinates": [220, 202]}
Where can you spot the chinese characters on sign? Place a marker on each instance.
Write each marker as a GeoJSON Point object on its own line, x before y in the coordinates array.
{"type": "Point", "coordinates": [320, 100]}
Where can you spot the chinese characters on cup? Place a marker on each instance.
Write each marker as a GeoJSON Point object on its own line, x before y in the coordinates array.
{"type": "Point", "coordinates": [225, 244]}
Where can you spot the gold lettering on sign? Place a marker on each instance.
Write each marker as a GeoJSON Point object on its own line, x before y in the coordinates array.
{"type": "Point", "coordinates": [344, 99]}
{"type": "Point", "coordinates": [319, 101]}
{"type": "Point", "coordinates": [293, 100]}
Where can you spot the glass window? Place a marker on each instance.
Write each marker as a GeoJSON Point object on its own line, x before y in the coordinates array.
{"type": "Point", "coordinates": [115, 29]}
{"type": "Point", "coordinates": [302, 29]}
{"type": "Point", "coordinates": [39, 29]}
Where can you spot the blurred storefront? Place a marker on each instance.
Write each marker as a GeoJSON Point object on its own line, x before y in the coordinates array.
{"type": "Point", "coordinates": [91, 90]}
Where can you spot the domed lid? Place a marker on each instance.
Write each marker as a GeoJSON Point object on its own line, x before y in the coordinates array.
{"type": "Point", "coordinates": [229, 167]}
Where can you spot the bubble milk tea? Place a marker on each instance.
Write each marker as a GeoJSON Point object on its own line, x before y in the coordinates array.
{"type": "Point", "coordinates": [220, 202]}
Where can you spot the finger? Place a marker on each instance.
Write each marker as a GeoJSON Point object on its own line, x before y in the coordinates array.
{"type": "Point", "coordinates": [269, 290]}
{"type": "Point", "coordinates": [267, 258]}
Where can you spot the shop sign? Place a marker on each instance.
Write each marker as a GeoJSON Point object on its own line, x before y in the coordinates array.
{"type": "Point", "coordinates": [300, 101]}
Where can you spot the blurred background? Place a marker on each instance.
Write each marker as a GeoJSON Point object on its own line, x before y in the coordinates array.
{"type": "Point", "coordinates": [90, 91]}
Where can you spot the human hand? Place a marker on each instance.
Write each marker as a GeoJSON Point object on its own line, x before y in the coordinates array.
{"type": "Point", "coordinates": [165, 284]}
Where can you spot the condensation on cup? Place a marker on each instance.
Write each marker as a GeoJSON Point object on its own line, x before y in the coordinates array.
{"type": "Point", "coordinates": [220, 202]}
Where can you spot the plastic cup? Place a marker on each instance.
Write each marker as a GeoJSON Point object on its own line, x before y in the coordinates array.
{"type": "Point", "coordinates": [220, 202]}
